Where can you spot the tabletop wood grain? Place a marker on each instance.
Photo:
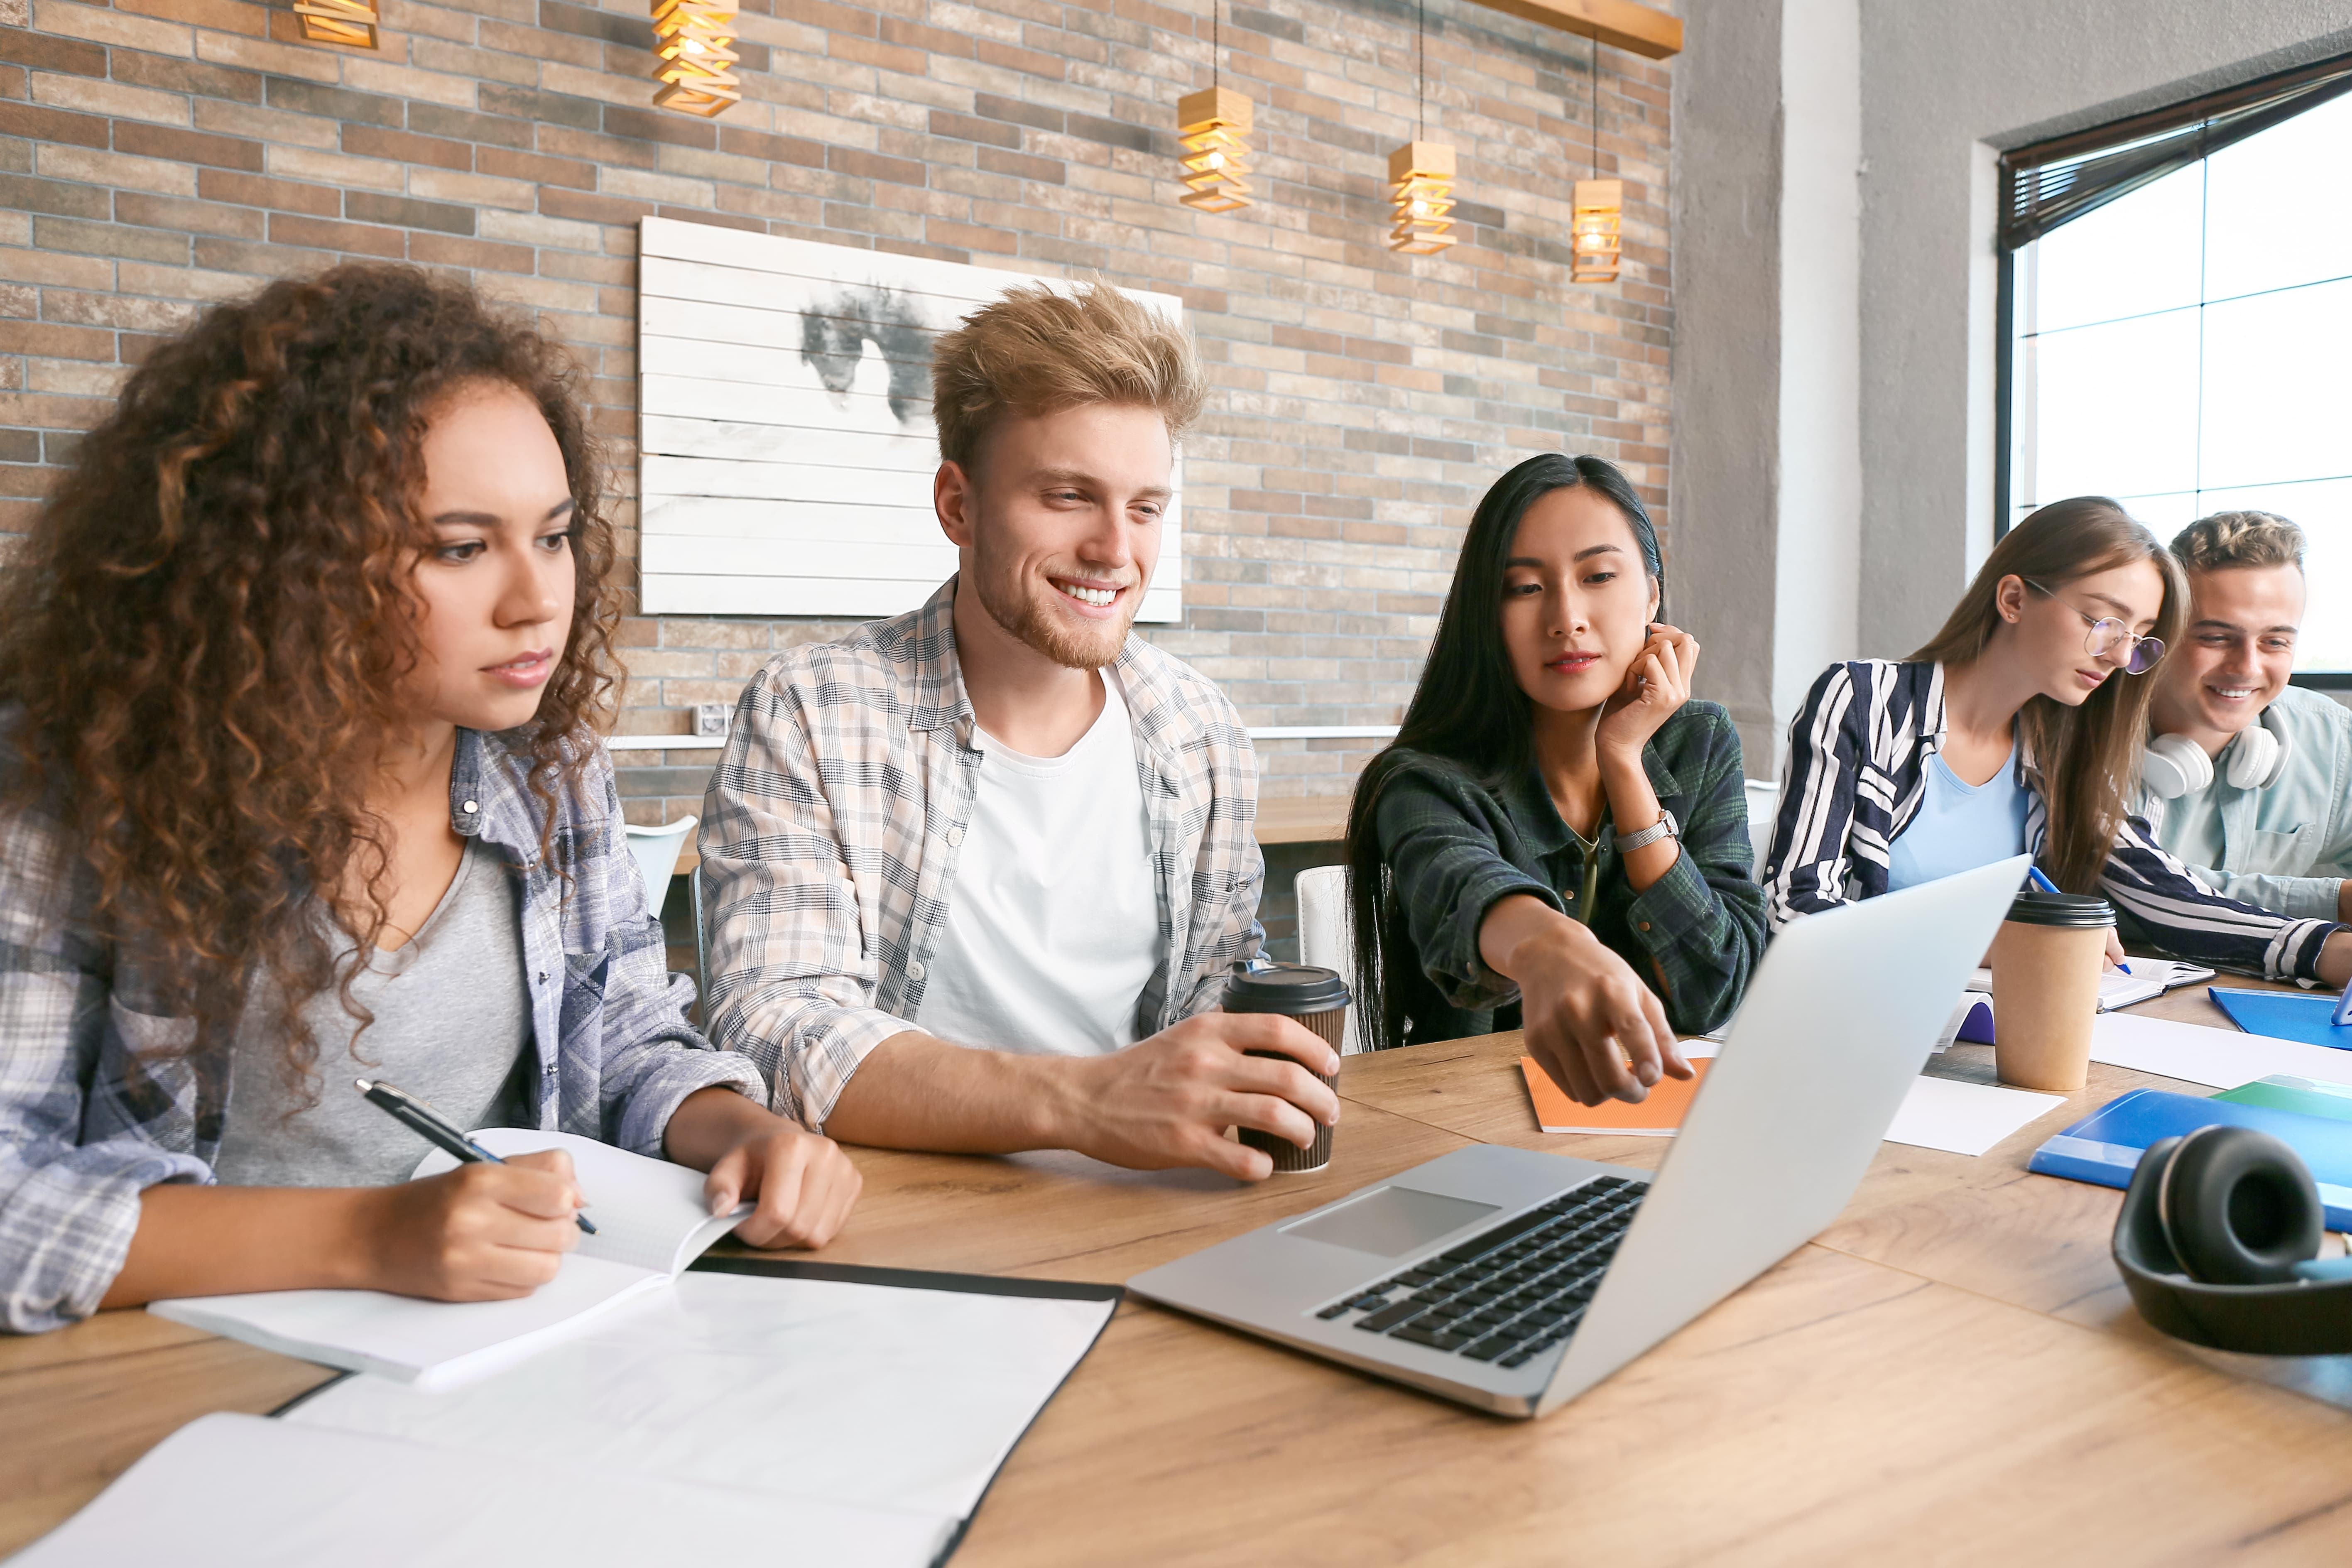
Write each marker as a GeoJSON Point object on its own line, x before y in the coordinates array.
{"type": "Point", "coordinates": [1950, 1373]}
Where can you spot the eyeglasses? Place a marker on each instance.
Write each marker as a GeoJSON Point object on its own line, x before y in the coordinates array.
{"type": "Point", "coordinates": [2108, 634]}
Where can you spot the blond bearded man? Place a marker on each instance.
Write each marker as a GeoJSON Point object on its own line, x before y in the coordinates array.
{"type": "Point", "coordinates": [977, 874]}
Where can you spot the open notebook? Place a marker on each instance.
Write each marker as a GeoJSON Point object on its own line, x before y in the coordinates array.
{"type": "Point", "coordinates": [651, 1222]}
{"type": "Point", "coordinates": [768, 1410]}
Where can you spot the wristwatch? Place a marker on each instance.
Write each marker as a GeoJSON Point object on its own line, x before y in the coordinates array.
{"type": "Point", "coordinates": [1664, 828]}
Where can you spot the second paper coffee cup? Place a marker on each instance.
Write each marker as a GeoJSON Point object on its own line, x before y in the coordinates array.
{"type": "Point", "coordinates": [1316, 997]}
{"type": "Point", "coordinates": [2046, 963]}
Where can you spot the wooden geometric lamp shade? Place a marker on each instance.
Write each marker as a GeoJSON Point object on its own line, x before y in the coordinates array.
{"type": "Point", "coordinates": [351, 23]}
{"type": "Point", "coordinates": [694, 44]}
{"type": "Point", "coordinates": [1420, 187]}
{"type": "Point", "coordinates": [1214, 126]}
{"type": "Point", "coordinates": [1596, 227]}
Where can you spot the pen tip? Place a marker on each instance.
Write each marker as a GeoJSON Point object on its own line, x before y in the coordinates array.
{"type": "Point", "coordinates": [365, 1084]}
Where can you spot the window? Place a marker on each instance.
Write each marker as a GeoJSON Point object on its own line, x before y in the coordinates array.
{"type": "Point", "coordinates": [2177, 297]}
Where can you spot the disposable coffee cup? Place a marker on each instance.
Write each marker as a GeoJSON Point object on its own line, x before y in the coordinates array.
{"type": "Point", "coordinates": [1316, 998]}
{"type": "Point", "coordinates": [2046, 963]}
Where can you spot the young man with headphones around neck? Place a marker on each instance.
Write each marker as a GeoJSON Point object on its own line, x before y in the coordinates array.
{"type": "Point", "coordinates": [2248, 779]}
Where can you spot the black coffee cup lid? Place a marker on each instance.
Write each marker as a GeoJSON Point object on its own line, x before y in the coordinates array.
{"type": "Point", "coordinates": [1286, 988]}
{"type": "Point", "coordinates": [2075, 910]}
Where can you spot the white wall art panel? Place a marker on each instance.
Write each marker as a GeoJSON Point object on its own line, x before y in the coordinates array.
{"type": "Point", "coordinates": [785, 424]}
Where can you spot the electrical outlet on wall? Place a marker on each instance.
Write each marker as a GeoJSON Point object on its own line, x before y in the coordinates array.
{"type": "Point", "coordinates": [711, 718]}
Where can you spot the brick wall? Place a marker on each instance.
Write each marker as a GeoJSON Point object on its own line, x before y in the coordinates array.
{"type": "Point", "coordinates": [157, 154]}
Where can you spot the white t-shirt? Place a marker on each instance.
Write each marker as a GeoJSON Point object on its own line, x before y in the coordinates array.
{"type": "Point", "coordinates": [1052, 926]}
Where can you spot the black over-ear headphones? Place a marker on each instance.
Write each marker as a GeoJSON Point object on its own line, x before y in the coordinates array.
{"type": "Point", "coordinates": [2218, 1241]}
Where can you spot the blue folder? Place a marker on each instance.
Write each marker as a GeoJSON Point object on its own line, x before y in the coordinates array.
{"type": "Point", "coordinates": [2104, 1147]}
{"type": "Point", "coordinates": [2284, 1014]}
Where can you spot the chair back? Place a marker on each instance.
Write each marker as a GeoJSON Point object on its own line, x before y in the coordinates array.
{"type": "Point", "coordinates": [1325, 938]}
{"type": "Point", "coordinates": [657, 850]}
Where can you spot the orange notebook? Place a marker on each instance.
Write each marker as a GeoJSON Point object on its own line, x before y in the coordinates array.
{"type": "Point", "coordinates": [1660, 1116]}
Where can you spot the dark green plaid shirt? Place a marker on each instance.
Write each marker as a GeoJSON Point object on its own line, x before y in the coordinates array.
{"type": "Point", "coordinates": [1455, 845]}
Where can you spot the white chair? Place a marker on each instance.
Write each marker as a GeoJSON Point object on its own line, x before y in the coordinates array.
{"type": "Point", "coordinates": [657, 850]}
{"type": "Point", "coordinates": [1325, 937]}
{"type": "Point", "coordinates": [1763, 805]}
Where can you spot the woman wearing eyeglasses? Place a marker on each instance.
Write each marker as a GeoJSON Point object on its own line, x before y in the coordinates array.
{"type": "Point", "coordinates": [2018, 728]}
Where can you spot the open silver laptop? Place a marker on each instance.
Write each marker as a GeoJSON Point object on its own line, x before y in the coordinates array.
{"type": "Point", "coordinates": [1514, 1280]}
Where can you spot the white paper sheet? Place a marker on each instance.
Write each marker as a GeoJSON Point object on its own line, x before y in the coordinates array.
{"type": "Point", "coordinates": [2223, 1058]}
{"type": "Point", "coordinates": [864, 1394]}
{"type": "Point", "coordinates": [244, 1491]}
{"type": "Point", "coordinates": [1965, 1118]}
{"type": "Point", "coordinates": [648, 1213]}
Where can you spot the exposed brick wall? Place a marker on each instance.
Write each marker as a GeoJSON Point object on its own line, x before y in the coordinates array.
{"type": "Point", "coordinates": [156, 155]}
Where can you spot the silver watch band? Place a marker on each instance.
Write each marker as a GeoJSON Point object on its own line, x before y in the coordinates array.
{"type": "Point", "coordinates": [1664, 828]}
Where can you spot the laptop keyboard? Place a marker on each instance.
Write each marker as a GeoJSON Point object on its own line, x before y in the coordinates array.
{"type": "Point", "coordinates": [1512, 1292]}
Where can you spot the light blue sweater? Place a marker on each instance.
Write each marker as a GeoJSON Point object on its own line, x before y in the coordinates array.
{"type": "Point", "coordinates": [2285, 849]}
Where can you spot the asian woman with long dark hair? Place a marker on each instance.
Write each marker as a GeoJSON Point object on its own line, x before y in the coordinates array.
{"type": "Point", "coordinates": [1557, 837]}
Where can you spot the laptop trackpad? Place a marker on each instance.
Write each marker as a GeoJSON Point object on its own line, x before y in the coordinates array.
{"type": "Point", "coordinates": [1390, 1222]}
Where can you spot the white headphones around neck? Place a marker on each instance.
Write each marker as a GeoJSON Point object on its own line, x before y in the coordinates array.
{"type": "Point", "coordinates": [2176, 766]}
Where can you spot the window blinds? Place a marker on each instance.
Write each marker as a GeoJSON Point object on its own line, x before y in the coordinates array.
{"type": "Point", "coordinates": [2056, 181]}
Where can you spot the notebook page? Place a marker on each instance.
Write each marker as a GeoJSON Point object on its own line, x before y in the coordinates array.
{"type": "Point", "coordinates": [648, 1213]}
{"type": "Point", "coordinates": [866, 1395]}
{"type": "Point", "coordinates": [247, 1491]}
{"type": "Point", "coordinates": [435, 1344]}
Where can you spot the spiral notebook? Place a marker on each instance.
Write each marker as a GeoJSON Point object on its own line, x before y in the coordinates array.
{"type": "Point", "coordinates": [651, 1222]}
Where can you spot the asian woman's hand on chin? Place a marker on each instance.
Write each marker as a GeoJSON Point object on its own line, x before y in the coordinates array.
{"type": "Point", "coordinates": [1657, 683]}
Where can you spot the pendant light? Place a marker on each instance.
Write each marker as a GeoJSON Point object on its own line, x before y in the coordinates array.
{"type": "Point", "coordinates": [1596, 217]}
{"type": "Point", "coordinates": [694, 44]}
{"type": "Point", "coordinates": [351, 23]}
{"type": "Point", "coordinates": [1421, 173]}
{"type": "Point", "coordinates": [1214, 125]}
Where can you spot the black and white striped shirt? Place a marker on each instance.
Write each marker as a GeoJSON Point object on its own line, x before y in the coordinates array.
{"type": "Point", "coordinates": [1857, 768]}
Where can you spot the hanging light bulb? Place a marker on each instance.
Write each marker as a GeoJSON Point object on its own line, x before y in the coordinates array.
{"type": "Point", "coordinates": [1596, 230]}
{"type": "Point", "coordinates": [351, 23]}
{"type": "Point", "coordinates": [1421, 186]}
{"type": "Point", "coordinates": [694, 44]}
{"type": "Point", "coordinates": [1214, 123]}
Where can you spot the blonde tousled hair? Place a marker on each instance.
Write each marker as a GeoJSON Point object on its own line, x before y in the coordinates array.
{"type": "Point", "coordinates": [1039, 350]}
{"type": "Point", "coordinates": [2229, 539]}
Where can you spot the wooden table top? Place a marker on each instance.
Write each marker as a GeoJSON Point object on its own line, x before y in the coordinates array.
{"type": "Point", "coordinates": [1951, 1371]}
{"type": "Point", "coordinates": [1302, 819]}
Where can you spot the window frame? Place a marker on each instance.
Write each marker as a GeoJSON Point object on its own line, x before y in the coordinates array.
{"type": "Point", "coordinates": [2320, 81]}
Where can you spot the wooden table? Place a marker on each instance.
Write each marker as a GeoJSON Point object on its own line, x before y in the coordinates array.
{"type": "Point", "coordinates": [1950, 1374]}
{"type": "Point", "coordinates": [1302, 819]}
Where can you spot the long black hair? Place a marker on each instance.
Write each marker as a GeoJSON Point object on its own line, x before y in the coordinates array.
{"type": "Point", "coordinates": [1468, 708]}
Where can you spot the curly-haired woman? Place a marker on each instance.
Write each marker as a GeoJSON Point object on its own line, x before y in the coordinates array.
{"type": "Point", "coordinates": [296, 772]}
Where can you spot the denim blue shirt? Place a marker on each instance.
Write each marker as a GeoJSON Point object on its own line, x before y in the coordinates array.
{"type": "Point", "coordinates": [2286, 848]}
{"type": "Point", "coordinates": [96, 1103]}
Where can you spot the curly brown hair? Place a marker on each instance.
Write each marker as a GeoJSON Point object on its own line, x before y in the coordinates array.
{"type": "Point", "coordinates": [208, 627]}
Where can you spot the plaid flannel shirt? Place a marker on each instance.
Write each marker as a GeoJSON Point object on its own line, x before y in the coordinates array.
{"type": "Point", "coordinates": [830, 833]}
{"type": "Point", "coordinates": [1454, 846]}
{"type": "Point", "coordinates": [98, 1099]}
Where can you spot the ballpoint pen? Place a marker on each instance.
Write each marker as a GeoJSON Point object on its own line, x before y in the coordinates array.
{"type": "Point", "coordinates": [430, 1125]}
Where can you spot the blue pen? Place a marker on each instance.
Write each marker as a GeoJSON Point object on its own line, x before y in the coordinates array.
{"type": "Point", "coordinates": [2045, 884]}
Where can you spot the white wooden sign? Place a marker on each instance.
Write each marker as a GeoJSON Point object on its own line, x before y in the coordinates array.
{"type": "Point", "coordinates": [784, 424]}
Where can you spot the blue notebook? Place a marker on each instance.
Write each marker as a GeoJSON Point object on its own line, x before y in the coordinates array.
{"type": "Point", "coordinates": [2104, 1147]}
{"type": "Point", "coordinates": [2284, 1014]}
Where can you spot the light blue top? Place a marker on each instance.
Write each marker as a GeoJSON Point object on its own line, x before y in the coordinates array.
{"type": "Point", "coordinates": [1960, 826]}
{"type": "Point", "coordinates": [2285, 849]}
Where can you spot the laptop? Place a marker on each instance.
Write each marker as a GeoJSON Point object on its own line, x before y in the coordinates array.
{"type": "Point", "coordinates": [1514, 1280]}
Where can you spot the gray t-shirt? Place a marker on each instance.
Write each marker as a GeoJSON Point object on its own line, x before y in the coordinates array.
{"type": "Point", "coordinates": [452, 1022]}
